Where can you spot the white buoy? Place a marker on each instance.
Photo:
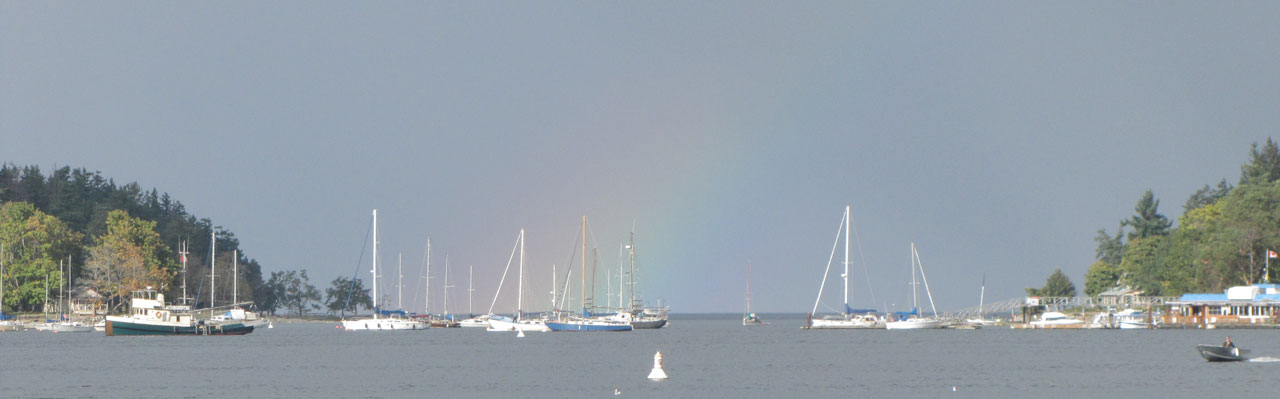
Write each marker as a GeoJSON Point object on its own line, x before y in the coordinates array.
{"type": "Point", "coordinates": [520, 334]}
{"type": "Point", "coordinates": [658, 373]}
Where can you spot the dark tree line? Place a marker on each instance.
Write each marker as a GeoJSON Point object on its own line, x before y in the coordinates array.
{"type": "Point", "coordinates": [82, 200]}
{"type": "Point", "coordinates": [1222, 238]}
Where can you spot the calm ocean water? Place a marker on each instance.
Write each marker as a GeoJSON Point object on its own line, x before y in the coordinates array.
{"type": "Point", "coordinates": [707, 356]}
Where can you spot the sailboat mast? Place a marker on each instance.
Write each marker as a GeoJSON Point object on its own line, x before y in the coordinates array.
{"type": "Point", "coordinates": [235, 276]}
{"type": "Point", "coordinates": [914, 306]}
{"type": "Point", "coordinates": [400, 281]}
{"type": "Point", "coordinates": [446, 283]}
{"type": "Point", "coordinates": [632, 247]}
{"type": "Point", "coordinates": [213, 266]}
{"type": "Point", "coordinates": [428, 303]}
{"type": "Point", "coordinates": [846, 259]}
{"type": "Point", "coordinates": [982, 293]}
{"type": "Point", "coordinates": [748, 286]}
{"type": "Point", "coordinates": [583, 301]}
{"type": "Point", "coordinates": [471, 272]}
{"type": "Point", "coordinates": [520, 283]}
{"type": "Point", "coordinates": [375, 264]}
{"type": "Point", "coordinates": [184, 272]}
{"type": "Point", "coordinates": [553, 288]}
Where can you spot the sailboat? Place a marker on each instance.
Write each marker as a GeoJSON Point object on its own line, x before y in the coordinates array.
{"type": "Point", "coordinates": [519, 322]}
{"type": "Point", "coordinates": [982, 293]}
{"type": "Point", "coordinates": [620, 321]}
{"type": "Point", "coordinates": [392, 322]}
{"type": "Point", "coordinates": [912, 320]}
{"type": "Point", "coordinates": [7, 323]}
{"type": "Point", "coordinates": [474, 321]}
{"type": "Point", "coordinates": [848, 319]}
{"type": "Point", "coordinates": [65, 324]}
{"type": "Point", "coordinates": [750, 318]}
{"type": "Point", "coordinates": [643, 317]}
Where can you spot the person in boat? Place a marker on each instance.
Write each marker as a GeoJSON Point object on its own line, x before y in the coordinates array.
{"type": "Point", "coordinates": [1228, 343]}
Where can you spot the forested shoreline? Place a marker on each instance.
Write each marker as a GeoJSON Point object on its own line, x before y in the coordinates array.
{"type": "Point", "coordinates": [116, 238]}
{"type": "Point", "coordinates": [1222, 239]}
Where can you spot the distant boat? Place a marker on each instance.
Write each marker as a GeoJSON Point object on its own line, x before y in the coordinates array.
{"type": "Point", "coordinates": [913, 320]}
{"type": "Point", "coordinates": [1055, 319]}
{"type": "Point", "coordinates": [848, 318]}
{"type": "Point", "coordinates": [982, 293]}
{"type": "Point", "coordinates": [1219, 353]}
{"type": "Point", "coordinates": [643, 317]}
{"type": "Point", "coordinates": [375, 323]}
{"type": "Point", "coordinates": [519, 322]}
{"type": "Point", "coordinates": [750, 318]}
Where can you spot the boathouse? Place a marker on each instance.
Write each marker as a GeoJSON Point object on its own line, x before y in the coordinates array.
{"type": "Point", "coordinates": [1241, 305]}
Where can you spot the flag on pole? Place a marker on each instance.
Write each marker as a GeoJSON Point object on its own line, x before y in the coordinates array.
{"type": "Point", "coordinates": [1272, 254]}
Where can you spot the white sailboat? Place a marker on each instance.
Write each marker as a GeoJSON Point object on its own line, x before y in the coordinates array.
{"type": "Point", "coordinates": [750, 318]}
{"type": "Point", "coordinates": [376, 323]}
{"type": "Point", "coordinates": [475, 321]}
{"type": "Point", "coordinates": [913, 320]}
{"type": "Point", "coordinates": [847, 319]}
{"type": "Point", "coordinates": [519, 322]}
{"type": "Point", "coordinates": [982, 293]}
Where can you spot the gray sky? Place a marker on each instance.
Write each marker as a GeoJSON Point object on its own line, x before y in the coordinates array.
{"type": "Point", "coordinates": [998, 136]}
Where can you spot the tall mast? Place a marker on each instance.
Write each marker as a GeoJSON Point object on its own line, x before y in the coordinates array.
{"type": "Point", "coordinates": [428, 300]}
{"type": "Point", "coordinates": [213, 265]}
{"type": "Point", "coordinates": [982, 293]}
{"type": "Point", "coordinates": [632, 246]}
{"type": "Point", "coordinates": [846, 259]}
{"type": "Point", "coordinates": [235, 276]}
{"type": "Point", "coordinates": [748, 286]}
{"type": "Point", "coordinates": [520, 284]}
{"type": "Point", "coordinates": [446, 283]}
{"type": "Point", "coordinates": [400, 281]}
{"type": "Point", "coordinates": [584, 265]}
{"type": "Point", "coordinates": [471, 272]}
{"type": "Point", "coordinates": [184, 271]}
{"type": "Point", "coordinates": [553, 289]}
{"type": "Point", "coordinates": [914, 306]}
{"type": "Point", "coordinates": [375, 264]}
{"type": "Point", "coordinates": [621, 288]}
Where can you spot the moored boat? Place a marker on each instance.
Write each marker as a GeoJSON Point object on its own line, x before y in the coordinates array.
{"type": "Point", "coordinates": [395, 319]}
{"type": "Point", "coordinates": [619, 322]}
{"type": "Point", "coordinates": [149, 316]}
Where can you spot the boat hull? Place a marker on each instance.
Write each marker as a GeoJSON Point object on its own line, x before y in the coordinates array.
{"type": "Point", "coordinates": [913, 324]}
{"type": "Point", "coordinates": [524, 325]}
{"type": "Point", "coordinates": [648, 323]}
{"type": "Point", "coordinates": [117, 327]}
{"type": "Point", "coordinates": [845, 324]}
{"type": "Point", "coordinates": [384, 325]}
{"type": "Point", "coordinates": [591, 327]}
{"type": "Point", "coordinates": [1218, 353]}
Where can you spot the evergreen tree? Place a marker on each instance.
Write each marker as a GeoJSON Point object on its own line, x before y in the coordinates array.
{"type": "Point", "coordinates": [1263, 166]}
{"type": "Point", "coordinates": [1148, 221]}
{"type": "Point", "coordinates": [1058, 285]}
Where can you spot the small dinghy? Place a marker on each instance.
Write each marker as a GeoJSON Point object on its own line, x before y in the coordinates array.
{"type": "Point", "coordinates": [1219, 353]}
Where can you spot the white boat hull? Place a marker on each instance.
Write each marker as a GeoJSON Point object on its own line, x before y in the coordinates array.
{"type": "Point", "coordinates": [913, 324]}
{"type": "Point", "coordinates": [523, 325]}
{"type": "Point", "coordinates": [855, 323]}
{"type": "Point", "coordinates": [383, 325]}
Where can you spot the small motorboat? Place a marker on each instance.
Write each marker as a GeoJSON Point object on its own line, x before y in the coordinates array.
{"type": "Point", "coordinates": [1219, 353]}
